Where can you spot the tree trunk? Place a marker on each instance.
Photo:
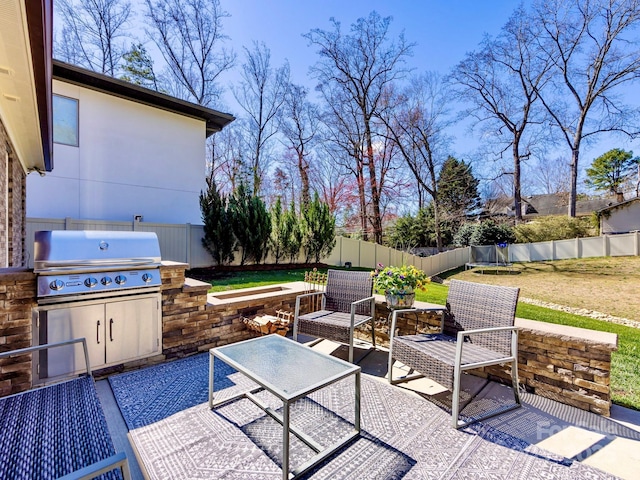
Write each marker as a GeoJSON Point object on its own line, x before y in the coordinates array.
{"type": "Point", "coordinates": [573, 192]}
{"type": "Point", "coordinates": [304, 179]}
{"type": "Point", "coordinates": [362, 198]}
{"type": "Point", "coordinates": [375, 192]}
{"type": "Point", "coordinates": [517, 198]}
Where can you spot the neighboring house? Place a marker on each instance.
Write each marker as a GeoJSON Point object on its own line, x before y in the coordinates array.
{"type": "Point", "coordinates": [25, 114]}
{"type": "Point", "coordinates": [621, 218]}
{"type": "Point", "coordinates": [122, 152]}
{"type": "Point", "coordinates": [547, 204]}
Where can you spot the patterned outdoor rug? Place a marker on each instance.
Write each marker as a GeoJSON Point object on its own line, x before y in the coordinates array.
{"type": "Point", "coordinates": [403, 436]}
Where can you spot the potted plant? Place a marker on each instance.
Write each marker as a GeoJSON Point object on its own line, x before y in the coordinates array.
{"type": "Point", "coordinates": [399, 284]}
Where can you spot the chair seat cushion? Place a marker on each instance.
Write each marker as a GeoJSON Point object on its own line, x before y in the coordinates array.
{"type": "Point", "coordinates": [53, 431]}
{"type": "Point", "coordinates": [435, 355]}
{"type": "Point", "coordinates": [328, 324]}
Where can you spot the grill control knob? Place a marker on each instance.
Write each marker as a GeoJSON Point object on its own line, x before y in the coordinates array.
{"type": "Point", "coordinates": [90, 282]}
{"type": "Point", "coordinates": [147, 277]}
{"type": "Point", "coordinates": [121, 279]}
{"type": "Point", "coordinates": [56, 285]}
{"type": "Point", "coordinates": [106, 281]}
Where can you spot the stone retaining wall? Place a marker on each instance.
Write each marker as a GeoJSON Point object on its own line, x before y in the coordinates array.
{"type": "Point", "coordinates": [570, 365]}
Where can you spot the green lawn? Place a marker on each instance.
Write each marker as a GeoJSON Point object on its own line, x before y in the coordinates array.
{"type": "Point", "coordinates": [625, 367]}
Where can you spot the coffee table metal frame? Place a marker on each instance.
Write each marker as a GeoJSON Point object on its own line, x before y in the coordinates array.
{"type": "Point", "coordinates": [276, 388]}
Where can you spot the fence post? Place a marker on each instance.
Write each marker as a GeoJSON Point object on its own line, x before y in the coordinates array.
{"type": "Point", "coordinates": [67, 223]}
{"type": "Point", "coordinates": [188, 246]}
{"type": "Point", "coordinates": [578, 250]}
{"type": "Point", "coordinates": [636, 244]}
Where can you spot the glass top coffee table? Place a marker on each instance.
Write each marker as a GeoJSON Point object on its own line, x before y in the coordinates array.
{"type": "Point", "coordinates": [290, 371]}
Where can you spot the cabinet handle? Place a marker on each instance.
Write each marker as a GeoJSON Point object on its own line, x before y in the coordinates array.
{"type": "Point", "coordinates": [98, 332]}
{"type": "Point", "coordinates": [111, 329]}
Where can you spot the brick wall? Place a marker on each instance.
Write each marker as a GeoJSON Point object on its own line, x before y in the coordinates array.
{"type": "Point", "coordinates": [4, 198]}
{"type": "Point", "coordinates": [12, 205]}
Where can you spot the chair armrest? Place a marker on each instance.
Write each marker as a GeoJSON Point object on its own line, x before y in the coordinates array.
{"type": "Point", "coordinates": [371, 299]}
{"type": "Point", "coordinates": [119, 460]}
{"type": "Point", "coordinates": [304, 295]}
{"type": "Point", "coordinates": [46, 346]}
{"type": "Point", "coordinates": [358, 302]}
{"type": "Point", "coordinates": [464, 333]}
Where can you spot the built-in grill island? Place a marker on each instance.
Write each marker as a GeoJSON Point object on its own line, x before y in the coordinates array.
{"type": "Point", "coordinates": [100, 285]}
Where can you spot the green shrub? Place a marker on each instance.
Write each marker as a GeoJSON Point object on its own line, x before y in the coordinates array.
{"type": "Point", "coordinates": [488, 232]}
{"type": "Point", "coordinates": [554, 227]}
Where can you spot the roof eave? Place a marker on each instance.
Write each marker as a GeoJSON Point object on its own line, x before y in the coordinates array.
{"type": "Point", "coordinates": [215, 120]}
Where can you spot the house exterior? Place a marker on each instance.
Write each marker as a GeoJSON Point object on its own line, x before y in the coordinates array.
{"type": "Point", "coordinates": [623, 217]}
{"type": "Point", "coordinates": [546, 204]}
{"type": "Point", "coordinates": [123, 152]}
{"type": "Point", "coordinates": [25, 114]}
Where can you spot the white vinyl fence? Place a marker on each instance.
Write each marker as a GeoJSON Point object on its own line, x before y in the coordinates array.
{"type": "Point", "coordinates": [183, 243]}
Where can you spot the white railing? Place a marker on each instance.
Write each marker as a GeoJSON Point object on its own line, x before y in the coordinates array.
{"type": "Point", "coordinates": [183, 243]}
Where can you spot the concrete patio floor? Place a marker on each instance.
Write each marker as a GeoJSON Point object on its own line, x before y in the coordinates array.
{"type": "Point", "coordinates": [609, 444]}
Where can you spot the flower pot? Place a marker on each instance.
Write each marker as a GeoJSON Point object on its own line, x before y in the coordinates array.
{"type": "Point", "coordinates": [400, 300]}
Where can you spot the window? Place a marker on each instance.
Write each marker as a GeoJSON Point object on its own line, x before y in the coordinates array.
{"type": "Point", "coordinates": [65, 120]}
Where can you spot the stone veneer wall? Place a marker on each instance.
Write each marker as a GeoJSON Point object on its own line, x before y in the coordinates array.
{"type": "Point", "coordinates": [192, 325]}
{"type": "Point", "coordinates": [17, 299]}
{"type": "Point", "coordinates": [554, 361]}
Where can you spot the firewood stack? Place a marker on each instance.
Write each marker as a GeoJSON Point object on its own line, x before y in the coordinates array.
{"type": "Point", "coordinates": [268, 324]}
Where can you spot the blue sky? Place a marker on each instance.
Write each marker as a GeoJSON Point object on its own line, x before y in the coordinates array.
{"type": "Point", "coordinates": [443, 31]}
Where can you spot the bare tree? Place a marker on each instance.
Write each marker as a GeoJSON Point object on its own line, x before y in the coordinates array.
{"type": "Point", "coordinates": [344, 130]}
{"type": "Point", "coordinates": [501, 82]}
{"type": "Point", "coordinates": [552, 175]}
{"type": "Point", "coordinates": [225, 152]}
{"type": "Point", "coordinates": [593, 52]}
{"type": "Point", "coordinates": [299, 123]}
{"type": "Point", "coordinates": [361, 64]}
{"type": "Point", "coordinates": [261, 95]}
{"type": "Point", "coordinates": [189, 35]}
{"type": "Point", "coordinates": [91, 30]}
{"type": "Point", "coordinates": [416, 120]}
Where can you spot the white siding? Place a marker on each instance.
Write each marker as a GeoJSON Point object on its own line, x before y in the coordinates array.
{"type": "Point", "coordinates": [625, 218]}
{"type": "Point", "coordinates": [132, 159]}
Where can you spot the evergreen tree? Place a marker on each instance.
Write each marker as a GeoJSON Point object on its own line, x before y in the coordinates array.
{"type": "Point", "coordinates": [138, 67]}
{"type": "Point", "coordinates": [277, 240]}
{"type": "Point", "coordinates": [319, 229]}
{"type": "Point", "coordinates": [250, 223]}
{"type": "Point", "coordinates": [218, 240]}
{"type": "Point", "coordinates": [292, 234]}
{"type": "Point", "coordinates": [457, 190]}
{"type": "Point", "coordinates": [488, 232]}
{"type": "Point", "coordinates": [610, 171]}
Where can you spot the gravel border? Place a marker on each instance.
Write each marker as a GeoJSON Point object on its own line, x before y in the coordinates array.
{"type": "Point", "coordinates": [583, 312]}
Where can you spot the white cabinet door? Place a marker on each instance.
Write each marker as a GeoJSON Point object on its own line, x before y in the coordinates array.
{"type": "Point", "coordinates": [131, 329]}
{"type": "Point", "coordinates": [68, 323]}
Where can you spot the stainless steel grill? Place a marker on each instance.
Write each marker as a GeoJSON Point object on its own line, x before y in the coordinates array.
{"type": "Point", "coordinates": [98, 263]}
{"type": "Point", "coordinates": [103, 286]}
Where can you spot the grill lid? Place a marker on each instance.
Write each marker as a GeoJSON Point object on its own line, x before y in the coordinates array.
{"type": "Point", "coordinates": [94, 250]}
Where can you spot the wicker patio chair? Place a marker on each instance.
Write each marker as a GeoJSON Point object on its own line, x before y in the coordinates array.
{"type": "Point", "coordinates": [477, 331]}
{"type": "Point", "coordinates": [346, 303]}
